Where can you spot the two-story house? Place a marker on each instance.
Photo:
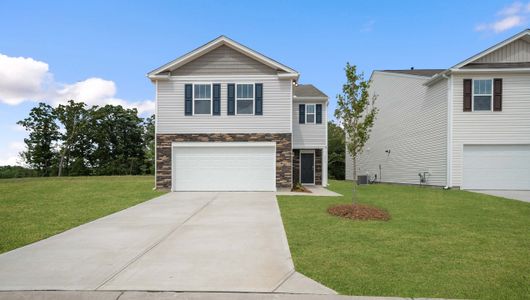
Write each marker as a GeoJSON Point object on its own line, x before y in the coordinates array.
{"type": "Point", "coordinates": [467, 126]}
{"type": "Point", "coordinates": [231, 119]}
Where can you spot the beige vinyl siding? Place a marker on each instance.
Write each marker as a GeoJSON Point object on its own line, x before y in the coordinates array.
{"type": "Point", "coordinates": [309, 135]}
{"type": "Point", "coordinates": [412, 124]}
{"type": "Point", "coordinates": [510, 126]}
{"type": "Point", "coordinates": [276, 118]}
{"type": "Point", "coordinates": [517, 51]}
{"type": "Point", "coordinates": [224, 61]}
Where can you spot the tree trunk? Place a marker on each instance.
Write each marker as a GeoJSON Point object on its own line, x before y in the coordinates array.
{"type": "Point", "coordinates": [61, 162]}
{"type": "Point", "coordinates": [354, 193]}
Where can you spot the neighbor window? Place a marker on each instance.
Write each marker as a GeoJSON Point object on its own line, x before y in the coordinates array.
{"type": "Point", "coordinates": [482, 94]}
{"type": "Point", "coordinates": [310, 113]}
{"type": "Point", "coordinates": [245, 99]}
{"type": "Point", "coordinates": [202, 99]}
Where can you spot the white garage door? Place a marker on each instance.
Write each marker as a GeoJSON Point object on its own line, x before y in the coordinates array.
{"type": "Point", "coordinates": [224, 166]}
{"type": "Point", "coordinates": [497, 167]}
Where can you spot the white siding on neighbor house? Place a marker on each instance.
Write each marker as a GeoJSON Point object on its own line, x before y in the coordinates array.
{"type": "Point", "coordinates": [276, 118]}
{"type": "Point", "coordinates": [511, 126]}
{"type": "Point", "coordinates": [309, 136]}
{"type": "Point", "coordinates": [517, 51]}
{"type": "Point", "coordinates": [224, 60]}
{"type": "Point", "coordinates": [412, 124]}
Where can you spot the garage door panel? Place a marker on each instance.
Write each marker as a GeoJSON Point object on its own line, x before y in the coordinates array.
{"type": "Point", "coordinates": [496, 167]}
{"type": "Point", "coordinates": [224, 167]}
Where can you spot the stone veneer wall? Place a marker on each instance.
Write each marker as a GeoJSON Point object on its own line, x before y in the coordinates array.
{"type": "Point", "coordinates": [283, 152]}
{"type": "Point", "coordinates": [296, 166]}
{"type": "Point", "coordinates": [318, 166]}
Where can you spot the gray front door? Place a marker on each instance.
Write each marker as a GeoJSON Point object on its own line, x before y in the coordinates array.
{"type": "Point", "coordinates": [307, 169]}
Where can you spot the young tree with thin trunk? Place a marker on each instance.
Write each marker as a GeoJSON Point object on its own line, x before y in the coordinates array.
{"type": "Point", "coordinates": [356, 114]}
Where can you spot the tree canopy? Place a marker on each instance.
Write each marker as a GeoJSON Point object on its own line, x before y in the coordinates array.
{"type": "Point", "coordinates": [74, 139]}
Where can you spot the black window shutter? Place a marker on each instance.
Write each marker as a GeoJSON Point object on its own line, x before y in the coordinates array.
{"type": "Point", "coordinates": [497, 94]}
{"type": "Point", "coordinates": [467, 94]}
{"type": "Point", "coordinates": [319, 113]}
{"type": "Point", "coordinates": [216, 99]}
{"type": "Point", "coordinates": [259, 99]}
{"type": "Point", "coordinates": [301, 113]}
{"type": "Point", "coordinates": [188, 101]}
{"type": "Point", "coordinates": [231, 99]}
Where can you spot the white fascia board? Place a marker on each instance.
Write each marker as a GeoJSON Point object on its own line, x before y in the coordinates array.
{"type": "Point", "coordinates": [223, 40]}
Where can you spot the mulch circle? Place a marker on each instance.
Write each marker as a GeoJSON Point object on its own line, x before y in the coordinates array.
{"type": "Point", "coordinates": [359, 212]}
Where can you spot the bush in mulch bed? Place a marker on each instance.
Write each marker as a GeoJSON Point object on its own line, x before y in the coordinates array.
{"type": "Point", "coordinates": [359, 212]}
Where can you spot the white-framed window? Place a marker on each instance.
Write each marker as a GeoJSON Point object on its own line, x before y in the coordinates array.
{"type": "Point", "coordinates": [245, 99]}
{"type": "Point", "coordinates": [202, 99]}
{"type": "Point", "coordinates": [482, 94]}
{"type": "Point", "coordinates": [310, 113]}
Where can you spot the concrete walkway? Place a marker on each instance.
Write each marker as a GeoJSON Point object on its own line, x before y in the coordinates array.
{"type": "Point", "coordinates": [509, 194]}
{"type": "Point", "coordinates": [316, 190]}
{"type": "Point", "coordinates": [211, 242]}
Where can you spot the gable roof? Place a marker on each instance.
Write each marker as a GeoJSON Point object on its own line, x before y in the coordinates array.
{"type": "Point", "coordinates": [307, 91]}
{"type": "Point", "coordinates": [416, 72]}
{"type": "Point", "coordinates": [469, 63]}
{"type": "Point", "coordinates": [285, 71]}
{"type": "Point", "coordinates": [524, 33]}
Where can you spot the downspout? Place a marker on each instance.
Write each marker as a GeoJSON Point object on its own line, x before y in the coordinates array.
{"type": "Point", "coordinates": [449, 171]}
{"type": "Point", "coordinates": [156, 130]}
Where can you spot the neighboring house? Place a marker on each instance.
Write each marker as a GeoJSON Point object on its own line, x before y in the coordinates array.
{"type": "Point", "coordinates": [231, 119]}
{"type": "Point", "coordinates": [465, 127]}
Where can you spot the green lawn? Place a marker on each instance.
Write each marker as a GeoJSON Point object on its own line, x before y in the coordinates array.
{"type": "Point", "coordinates": [450, 244]}
{"type": "Point", "coordinates": [32, 209]}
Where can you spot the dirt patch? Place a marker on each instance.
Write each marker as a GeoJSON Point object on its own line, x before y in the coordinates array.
{"type": "Point", "coordinates": [359, 212]}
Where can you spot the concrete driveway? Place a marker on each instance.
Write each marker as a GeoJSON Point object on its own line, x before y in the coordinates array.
{"type": "Point", "coordinates": [178, 242]}
{"type": "Point", "coordinates": [509, 194]}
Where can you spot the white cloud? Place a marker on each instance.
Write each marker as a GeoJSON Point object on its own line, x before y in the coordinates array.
{"type": "Point", "coordinates": [368, 26]}
{"type": "Point", "coordinates": [512, 9]}
{"type": "Point", "coordinates": [25, 79]}
{"type": "Point", "coordinates": [507, 23]}
{"type": "Point", "coordinates": [10, 155]}
{"type": "Point", "coordinates": [511, 16]}
{"type": "Point", "coordinates": [21, 79]}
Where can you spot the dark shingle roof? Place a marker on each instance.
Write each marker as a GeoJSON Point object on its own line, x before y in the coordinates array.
{"type": "Point", "coordinates": [417, 72]}
{"type": "Point", "coordinates": [497, 65]}
{"type": "Point", "coordinates": [307, 90]}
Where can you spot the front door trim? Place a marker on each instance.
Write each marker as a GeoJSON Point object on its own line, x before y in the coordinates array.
{"type": "Point", "coordinates": [300, 168]}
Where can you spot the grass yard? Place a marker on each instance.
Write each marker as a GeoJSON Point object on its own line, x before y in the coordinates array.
{"type": "Point", "coordinates": [32, 209]}
{"type": "Point", "coordinates": [445, 244]}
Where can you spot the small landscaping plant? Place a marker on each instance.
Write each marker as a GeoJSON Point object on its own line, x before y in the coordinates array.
{"type": "Point", "coordinates": [359, 212]}
{"type": "Point", "coordinates": [298, 187]}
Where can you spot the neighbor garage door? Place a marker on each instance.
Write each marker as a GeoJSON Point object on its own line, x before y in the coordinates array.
{"type": "Point", "coordinates": [224, 166]}
{"type": "Point", "coordinates": [496, 167]}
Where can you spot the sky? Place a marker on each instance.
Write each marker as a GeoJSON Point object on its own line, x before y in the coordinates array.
{"type": "Point", "coordinates": [100, 51]}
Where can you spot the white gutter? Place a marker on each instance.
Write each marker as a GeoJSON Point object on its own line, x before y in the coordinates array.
{"type": "Point", "coordinates": [292, 76]}
{"type": "Point", "coordinates": [159, 77]}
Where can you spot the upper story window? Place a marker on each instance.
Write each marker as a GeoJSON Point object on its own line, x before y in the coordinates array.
{"type": "Point", "coordinates": [245, 99]}
{"type": "Point", "coordinates": [202, 99]}
{"type": "Point", "coordinates": [310, 113]}
{"type": "Point", "coordinates": [482, 94]}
